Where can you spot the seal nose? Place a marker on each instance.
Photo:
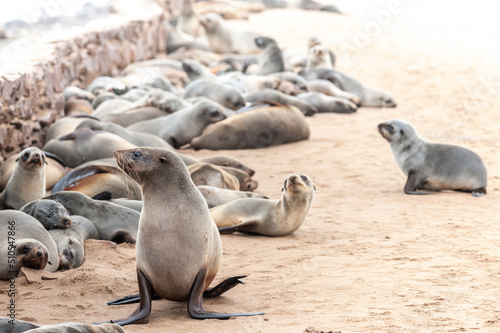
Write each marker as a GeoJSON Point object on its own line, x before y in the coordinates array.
{"type": "Point", "coordinates": [39, 253]}
{"type": "Point", "coordinates": [293, 179]}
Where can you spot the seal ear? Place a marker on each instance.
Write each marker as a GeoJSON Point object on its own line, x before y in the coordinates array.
{"type": "Point", "coordinates": [284, 185]}
{"type": "Point", "coordinates": [314, 187]}
{"type": "Point", "coordinates": [163, 160]}
{"type": "Point", "coordinates": [402, 132]}
{"type": "Point", "coordinates": [17, 159]}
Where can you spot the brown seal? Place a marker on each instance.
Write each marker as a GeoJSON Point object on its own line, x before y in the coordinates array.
{"type": "Point", "coordinates": [433, 166]}
{"type": "Point", "coordinates": [25, 252]}
{"type": "Point", "coordinates": [262, 127]}
{"type": "Point", "coordinates": [268, 217]}
{"type": "Point", "coordinates": [212, 175]}
{"type": "Point", "coordinates": [185, 262]}
{"type": "Point", "coordinates": [27, 182]}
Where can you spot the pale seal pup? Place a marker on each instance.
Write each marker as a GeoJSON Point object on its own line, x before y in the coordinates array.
{"type": "Point", "coordinates": [26, 226]}
{"type": "Point", "coordinates": [83, 145]}
{"type": "Point", "coordinates": [55, 169]}
{"type": "Point", "coordinates": [221, 93]}
{"type": "Point", "coordinates": [271, 95]}
{"type": "Point", "coordinates": [70, 242]}
{"type": "Point", "coordinates": [212, 175]}
{"type": "Point", "coordinates": [271, 58]}
{"type": "Point", "coordinates": [27, 182]}
{"type": "Point", "coordinates": [180, 127]}
{"type": "Point", "coordinates": [51, 214]}
{"type": "Point", "coordinates": [223, 39]}
{"type": "Point", "coordinates": [215, 196]}
{"type": "Point", "coordinates": [369, 97]}
{"type": "Point", "coordinates": [24, 252]}
{"type": "Point", "coordinates": [137, 138]}
{"type": "Point", "coordinates": [185, 262]}
{"type": "Point", "coordinates": [268, 217]}
{"type": "Point", "coordinates": [113, 222]}
{"type": "Point", "coordinates": [262, 127]}
{"type": "Point", "coordinates": [318, 57]}
{"type": "Point", "coordinates": [324, 103]}
{"type": "Point", "coordinates": [433, 166]}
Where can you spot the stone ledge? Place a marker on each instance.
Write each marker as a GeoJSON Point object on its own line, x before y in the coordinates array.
{"type": "Point", "coordinates": [31, 88]}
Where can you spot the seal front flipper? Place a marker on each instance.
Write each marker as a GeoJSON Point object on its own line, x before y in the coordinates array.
{"type": "Point", "coordinates": [245, 226]}
{"type": "Point", "coordinates": [224, 286]}
{"type": "Point", "coordinates": [141, 314]}
{"type": "Point", "coordinates": [412, 183]}
{"type": "Point", "coordinates": [195, 306]}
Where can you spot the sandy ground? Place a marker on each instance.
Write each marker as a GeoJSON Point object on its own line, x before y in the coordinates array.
{"type": "Point", "coordinates": [368, 258]}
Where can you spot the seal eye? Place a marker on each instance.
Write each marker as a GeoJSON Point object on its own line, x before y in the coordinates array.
{"type": "Point", "coordinates": [26, 249]}
{"type": "Point", "coordinates": [26, 154]}
{"type": "Point", "coordinates": [137, 154]}
{"type": "Point", "coordinates": [304, 178]}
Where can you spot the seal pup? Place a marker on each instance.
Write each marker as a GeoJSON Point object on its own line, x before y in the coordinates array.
{"type": "Point", "coordinates": [25, 252]}
{"type": "Point", "coordinates": [27, 182]}
{"type": "Point", "coordinates": [212, 175]}
{"type": "Point", "coordinates": [55, 169]}
{"type": "Point", "coordinates": [324, 103]}
{"type": "Point", "coordinates": [180, 127]}
{"type": "Point", "coordinates": [328, 88]}
{"type": "Point", "coordinates": [318, 56]}
{"type": "Point", "coordinates": [83, 145]}
{"type": "Point", "coordinates": [271, 58]}
{"type": "Point", "coordinates": [223, 39]}
{"type": "Point", "coordinates": [70, 242]}
{"type": "Point", "coordinates": [268, 217]}
{"type": "Point", "coordinates": [263, 127]}
{"type": "Point", "coordinates": [50, 213]}
{"type": "Point", "coordinates": [433, 166]}
{"type": "Point", "coordinates": [223, 94]}
{"type": "Point", "coordinates": [113, 222]}
{"type": "Point", "coordinates": [369, 97]}
{"type": "Point", "coordinates": [215, 196]}
{"type": "Point", "coordinates": [27, 226]}
{"type": "Point", "coordinates": [191, 246]}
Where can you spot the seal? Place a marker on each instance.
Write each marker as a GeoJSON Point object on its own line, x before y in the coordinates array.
{"type": "Point", "coordinates": [70, 242]}
{"type": "Point", "coordinates": [180, 127]}
{"type": "Point", "coordinates": [71, 91]}
{"type": "Point", "coordinates": [55, 169]}
{"type": "Point", "coordinates": [94, 179]}
{"type": "Point", "coordinates": [263, 127]}
{"type": "Point", "coordinates": [215, 196]}
{"type": "Point", "coordinates": [328, 88]}
{"type": "Point", "coordinates": [20, 325]}
{"type": "Point", "coordinates": [132, 116]}
{"type": "Point", "coordinates": [27, 182]}
{"type": "Point", "coordinates": [84, 145]}
{"type": "Point", "coordinates": [223, 94]}
{"type": "Point", "coordinates": [433, 166]}
{"type": "Point", "coordinates": [223, 39]}
{"type": "Point", "coordinates": [51, 214]}
{"type": "Point", "coordinates": [222, 160]}
{"type": "Point", "coordinates": [188, 20]}
{"type": "Point", "coordinates": [65, 125]}
{"type": "Point", "coordinates": [318, 57]}
{"type": "Point", "coordinates": [369, 97]}
{"type": "Point", "coordinates": [113, 222]}
{"type": "Point", "coordinates": [212, 175]}
{"type": "Point", "coordinates": [324, 103]}
{"type": "Point", "coordinates": [27, 226]}
{"type": "Point", "coordinates": [246, 182]}
{"type": "Point", "coordinates": [25, 252]}
{"type": "Point", "coordinates": [271, 58]}
{"type": "Point", "coordinates": [190, 251]}
{"type": "Point", "coordinates": [76, 105]}
{"type": "Point", "coordinates": [104, 83]}
{"type": "Point", "coordinates": [68, 328]}
{"type": "Point", "coordinates": [137, 138]}
{"type": "Point", "coordinates": [271, 95]}
{"type": "Point", "coordinates": [268, 217]}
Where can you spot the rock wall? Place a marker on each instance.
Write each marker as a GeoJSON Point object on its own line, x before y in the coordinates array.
{"type": "Point", "coordinates": [30, 101]}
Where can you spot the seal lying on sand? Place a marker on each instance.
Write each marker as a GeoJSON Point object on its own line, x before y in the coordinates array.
{"type": "Point", "coordinates": [268, 217]}
{"type": "Point", "coordinates": [178, 247]}
{"type": "Point", "coordinates": [433, 166]}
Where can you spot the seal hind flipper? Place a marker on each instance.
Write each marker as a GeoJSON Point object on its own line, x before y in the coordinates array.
{"type": "Point", "coordinates": [245, 227]}
{"type": "Point", "coordinates": [130, 299]}
{"type": "Point", "coordinates": [195, 306]}
{"type": "Point", "coordinates": [141, 314]}
{"type": "Point", "coordinates": [224, 286]}
{"type": "Point", "coordinates": [55, 158]}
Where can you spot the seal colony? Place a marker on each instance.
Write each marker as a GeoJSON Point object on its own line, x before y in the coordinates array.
{"type": "Point", "coordinates": [161, 200]}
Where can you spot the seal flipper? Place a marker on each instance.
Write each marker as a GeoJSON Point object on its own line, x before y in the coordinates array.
{"type": "Point", "coordinates": [224, 286]}
{"type": "Point", "coordinates": [412, 184]}
{"type": "Point", "coordinates": [479, 192]}
{"type": "Point", "coordinates": [130, 299]}
{"type": "Point", "coordinates": [245, 227]}
{"type": "Point", "coordinates": [195, 306]}
{"type": "Point", "coordinates": [141, 314]}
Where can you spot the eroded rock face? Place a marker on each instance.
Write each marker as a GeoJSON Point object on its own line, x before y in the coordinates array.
{"type": "Point", "coordinates": [31, 100]}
